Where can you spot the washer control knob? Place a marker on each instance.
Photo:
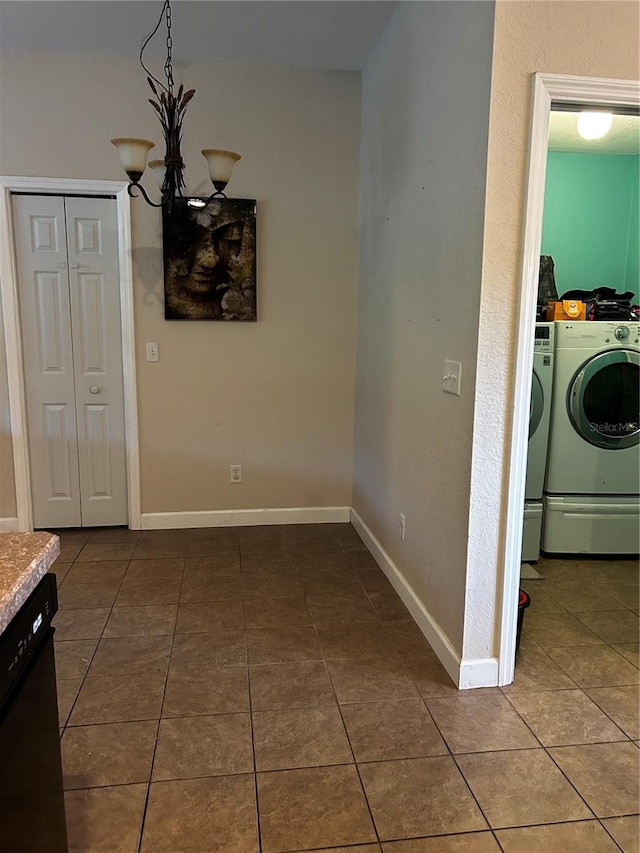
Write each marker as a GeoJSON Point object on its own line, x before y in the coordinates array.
{"type": "Point", "coordinates": [622, 333]}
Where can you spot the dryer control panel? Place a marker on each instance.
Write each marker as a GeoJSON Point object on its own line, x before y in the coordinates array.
{"type": "Point", "coordinates": [597, 333]}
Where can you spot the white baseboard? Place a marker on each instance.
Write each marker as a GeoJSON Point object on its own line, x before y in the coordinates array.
{"type": "Point", "coordinates": [9, 525]}
{"type": "Point", "coordinates": [480, 672]}
{"type": "Point", "coordinates": [245, 517]}
{"type": "Point", "coordinates": [465, 673]}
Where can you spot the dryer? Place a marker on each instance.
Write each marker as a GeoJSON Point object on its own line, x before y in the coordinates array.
{"type": "Point", "coordinates": [539, 417]}
{"type": "Point", "coordinates": [592, 484]}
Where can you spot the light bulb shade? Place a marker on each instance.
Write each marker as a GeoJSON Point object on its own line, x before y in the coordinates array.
{"type": "Point", "coordinates": [221, 165]}
{"type": "Point", "coordinates": [133, 153]}
{"type": "Point", "coordinates": [159, 171]}
{"type": "Point", "coordinates": [594, 125]}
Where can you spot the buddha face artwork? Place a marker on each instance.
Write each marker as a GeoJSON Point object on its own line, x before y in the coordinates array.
{"type": "Point", "coordinates": [210, 260]}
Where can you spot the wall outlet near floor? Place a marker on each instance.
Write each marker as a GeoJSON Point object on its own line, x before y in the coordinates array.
{"type": "Point", "coordinates": [235, 473]}
{"type": "Point", "coordinates": [402, 525]}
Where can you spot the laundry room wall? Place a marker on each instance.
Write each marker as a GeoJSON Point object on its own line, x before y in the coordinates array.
{"type": "Point", "coordinates": [632, 272]}
{"type": "Point", "coordinates": [275, 396]}
{"type": "Point", "coordinates": [590, 220]}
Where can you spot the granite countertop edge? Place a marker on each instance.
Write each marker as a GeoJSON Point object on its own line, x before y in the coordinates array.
{"type": "Point", "coordinates": [24, 560]}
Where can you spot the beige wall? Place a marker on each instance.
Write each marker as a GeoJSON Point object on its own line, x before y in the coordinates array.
{"type": "Point", "coordinates": [425, 119]}
{"type": "Point", "coordinates": [597, 39]}
{"type": "Point", "coordinates": [275, 396]}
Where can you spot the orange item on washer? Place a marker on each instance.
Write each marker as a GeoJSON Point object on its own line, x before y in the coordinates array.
{"type": "Point", "coordinates": [567, 309]}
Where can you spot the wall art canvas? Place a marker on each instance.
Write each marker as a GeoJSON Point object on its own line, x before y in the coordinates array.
{"type": "Point", "coordinates": [210, 260]}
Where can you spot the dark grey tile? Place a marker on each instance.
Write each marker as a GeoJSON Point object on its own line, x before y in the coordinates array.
{"type": "Point", "coordinates": [303, 737]}
{"type": "Point", "coordinates": [209, 616]}
{"type": "Point", "coordinates": [120, 698]}
{"type": "Point", "coordinates": [282, 645]}
{"type": "Point", "coordinates": [312, 807]}
{"type": "Point", "coordinates": [157, 569]}
{"type": "Point", "coordinates": [102, 571]}
{"type": "Point", "coordinates": [105, 820]}
{"type": "Point", "coordinates": [144, 621]}
{"type": "Point", "coordinates": [143, 591]}
{"type": "Point", "coordinates": [194, 652]}
{"type": "Point", "coordinates": [212, 690]}
{"type": "Point", "coordinates": [131, 655]}
{"type": "Point", "coordinates": [626, 831]}
{"type": "Point", "coordinates": [111, 551]}
{"type": "Point", "coordinates": [303, 684]}
{"type": "Point", "coordinates": [402, 728]}
{"type": "Point", "coordinates": [419, 796]}
{"type": "Point", "coordinates": [110, 754]}
{"type": "Point", "coordinates": [189, 747]}
{"type": "Point", "coordinates": [587, 835]}
{"type": "Point", "coordinates": [481, 723]}
{"type": "Point", "coordinates": [565, 717]}
{"type": "Point", "coordinates": [370, 679]}
{"type": "Point", "coordinates": [81, 624]}
{"type": "Point", "coordinates": [73, 657]}
{"type": "Point", "coordinates": [595, 666]}
{"type": "Point", "coordinates": [214, 813]}
{"type": "Point", "coordinates": [521, 787]}
{"type": "Point", "coordinates": [604, 774]}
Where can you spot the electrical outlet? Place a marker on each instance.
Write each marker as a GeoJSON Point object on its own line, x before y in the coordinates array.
{"type": "Point", "coordinates": [153, 352]}
{"type": "Point", "coordinates": [402, 525]}
{"type": "Point", "coordinates": [235, 473]}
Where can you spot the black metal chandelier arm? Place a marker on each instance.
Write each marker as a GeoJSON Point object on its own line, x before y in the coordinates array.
{"type": "Point", "coordinates": [214, 196]}
{"type": "Point", "coordinates": [165, 8]}
{"type": "Point", "coordinates": [143, 192]}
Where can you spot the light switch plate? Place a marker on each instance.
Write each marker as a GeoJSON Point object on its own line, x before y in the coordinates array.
{"type": "Point", "coordinates": [451, 377]}
{"type": "Point", "coordinates": [152, 352]}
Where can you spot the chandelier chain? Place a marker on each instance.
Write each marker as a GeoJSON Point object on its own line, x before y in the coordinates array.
{"type": "Point", "coordinates": [168, 66]}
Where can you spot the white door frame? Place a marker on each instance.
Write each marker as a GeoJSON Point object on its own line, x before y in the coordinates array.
{"type": "Point", "coordinates": [547, 89]}
{"type": "Point", "coordinates": [13, 338]}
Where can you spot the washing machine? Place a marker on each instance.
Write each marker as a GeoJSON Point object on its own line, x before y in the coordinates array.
{"type": "Point", "coordinates": [539, 418]}
{"type": "Point", "coordinates": [592, 484]}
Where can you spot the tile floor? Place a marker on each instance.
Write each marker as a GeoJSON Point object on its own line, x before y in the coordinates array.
{"type": "Point", "coordinates": [263, 689]}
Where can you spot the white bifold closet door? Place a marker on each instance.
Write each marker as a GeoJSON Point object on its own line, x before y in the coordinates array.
{"type": "Point", "coordinates": [69, 294]}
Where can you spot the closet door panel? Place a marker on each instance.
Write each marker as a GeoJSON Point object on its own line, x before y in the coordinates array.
{"type": "Point", "coordinates": [47, 351]}
{"type": "Point", "coordinates": [97, 343]}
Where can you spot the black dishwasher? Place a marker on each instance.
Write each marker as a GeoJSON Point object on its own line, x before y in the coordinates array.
{"type": "Point", "coordinates": [32, 816]}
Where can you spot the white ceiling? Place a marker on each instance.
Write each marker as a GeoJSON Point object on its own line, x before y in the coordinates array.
{"type": "Point", "coordinates": [623, 138]}
{"type": "Point", "coordinates": [327, 34]}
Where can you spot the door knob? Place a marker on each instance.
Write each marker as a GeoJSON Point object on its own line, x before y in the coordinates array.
{"type": "Point", "coordinates": [75, 266]}
{"type": "Point", "coordinates": [95, 389]}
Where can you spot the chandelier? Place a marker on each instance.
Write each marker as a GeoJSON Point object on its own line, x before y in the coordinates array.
{"type": "Point", "coordinates": [170, 108]}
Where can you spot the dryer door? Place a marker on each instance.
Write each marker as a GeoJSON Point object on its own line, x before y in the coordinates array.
{"type": "Point", "coordinates": [603, 400]}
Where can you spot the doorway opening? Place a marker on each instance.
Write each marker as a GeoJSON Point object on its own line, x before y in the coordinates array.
{"type": "Point", "coordinates": [549, 90]}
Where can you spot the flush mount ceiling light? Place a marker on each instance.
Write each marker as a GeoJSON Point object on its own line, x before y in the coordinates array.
{"type": "Point", "coordinates": [594, 125]}
{"type": "Point", "coordinates": [170, 108]}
